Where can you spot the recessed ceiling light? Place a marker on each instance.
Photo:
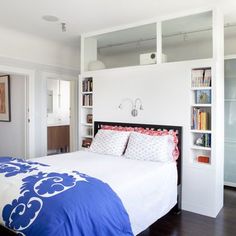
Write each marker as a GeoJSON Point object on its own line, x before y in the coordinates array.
{"type": "Point", "coordinates": [50, 18]}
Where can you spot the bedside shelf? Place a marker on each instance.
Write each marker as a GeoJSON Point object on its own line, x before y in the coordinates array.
{"type": "Point", "coordinates": [200, 131]}
{"type": "Point", "coordinates": [87, 107]}
{"type": "Point", "coordinates": [201, 88]}
{"type": "Point", "coordinates": [87, 136]}
{"type": "Point", "coordinates": [201, 105]}
{"type": "Point", "coordinates": [200, 148]}
{"type": "Point", "coordinates": [87, 124]}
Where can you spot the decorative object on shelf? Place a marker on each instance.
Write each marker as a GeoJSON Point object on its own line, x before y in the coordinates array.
{"type": "Point", "coordinates": [200, 141]}
{"type": "Point", "coordinates": [204, 140]}
{"type": "Point", "coordinates": [135, 105]}
{"type": "Point", "coordinates": [86, 142]}
{"type": "Point", "coordinates": [5, 107]}
{"type": "Point", "coordinates": [203, 159]}
{"type": "Point", "coordinates": [96, 65]}
{"type": "Point", "coordinates": [90, 118]}
{"type": "Point", "coordinates": [203, 96]}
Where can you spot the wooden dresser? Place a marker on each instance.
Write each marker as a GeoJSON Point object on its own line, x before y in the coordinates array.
{"type": "Point", "coordinates": [59, 138]}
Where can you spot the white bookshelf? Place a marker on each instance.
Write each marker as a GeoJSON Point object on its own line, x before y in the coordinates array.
{"type": "Point", "coordinates": [201, 115]}
{"type": "Point", "coordinates": [86, 108]}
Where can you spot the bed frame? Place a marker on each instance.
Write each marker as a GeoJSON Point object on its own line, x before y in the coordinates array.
{"type": "Point", "coordinates": [178, 129]}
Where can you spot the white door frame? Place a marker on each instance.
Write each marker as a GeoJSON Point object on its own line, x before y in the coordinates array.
{"type": "Point", "coordinates": [29, 105]}
{"type": "Point", "coordinates": [73, 105]}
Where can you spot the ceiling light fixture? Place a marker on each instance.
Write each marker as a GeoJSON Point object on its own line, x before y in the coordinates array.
{"type": "Point", "coordinates": [50, 18]}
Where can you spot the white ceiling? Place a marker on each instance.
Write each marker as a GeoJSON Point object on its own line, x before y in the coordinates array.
{"type": "Point", "coordinates": [88, 15]}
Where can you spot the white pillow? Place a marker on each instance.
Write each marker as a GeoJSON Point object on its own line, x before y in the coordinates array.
{"type": "Point", "coordinates": [110, 142]}
{"type": "Point", "coordinates": [149, 148]}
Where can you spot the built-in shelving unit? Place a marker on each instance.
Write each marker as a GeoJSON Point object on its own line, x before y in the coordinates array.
{"type": "Point", "coordinates": [136, 55]}
{"type": "Point", "coordinates": [201, 115]}
{"type": "Point", "coordinates": [86, 112]}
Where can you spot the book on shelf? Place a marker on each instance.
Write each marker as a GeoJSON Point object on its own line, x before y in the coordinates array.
{"type": "Point", "coordinates": [87, 100]}
{"type": "Point", "coordinates": [200, 119]}
{"type": "Point", "coordinates": [87, 85]}
{"type": "Point", "coordinates": [207, 78]}
{"type": "Point", "coordinates": [201, 77]}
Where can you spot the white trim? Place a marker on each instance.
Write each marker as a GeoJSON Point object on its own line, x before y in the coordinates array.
{"type": "Point", "coordinates": [145, 22]}
{"type": "Point", "coordinates": [30, 106]}
{"type": "Point", "coordinates": [159, 42]}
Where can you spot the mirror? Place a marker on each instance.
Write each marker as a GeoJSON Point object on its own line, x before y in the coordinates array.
{"type": "Point", "coordinates": [49, 101]}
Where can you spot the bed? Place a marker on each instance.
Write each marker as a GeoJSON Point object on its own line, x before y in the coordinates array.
{"type": "Point", "coordinates": [145, 190]}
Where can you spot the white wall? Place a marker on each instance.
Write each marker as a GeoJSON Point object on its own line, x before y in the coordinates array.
{"type": "Point", "coordinates": [12, 134]}
{"type": "Point", "coordinates": [27, 47]}
{"type": "Point", "coordinates": [165, 92]}
{"type": "Point", "coordinates": [31, 53]}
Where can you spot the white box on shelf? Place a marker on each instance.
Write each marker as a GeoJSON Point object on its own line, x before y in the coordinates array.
{"type": "Point", "coordinates": [150, 58]}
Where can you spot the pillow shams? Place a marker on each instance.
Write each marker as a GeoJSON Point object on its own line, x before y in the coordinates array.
{"type": "Point", "coordinates": [110, 142]}
{"type": "Point", "coordinates": [150, 148]}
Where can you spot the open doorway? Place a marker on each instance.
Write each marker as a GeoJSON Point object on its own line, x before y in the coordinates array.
{"type": "Point", "coordinates": [58, 116]}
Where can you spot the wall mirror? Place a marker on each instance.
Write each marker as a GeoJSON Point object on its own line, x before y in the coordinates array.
{"type": "Point", "coordinates": [49, 101]}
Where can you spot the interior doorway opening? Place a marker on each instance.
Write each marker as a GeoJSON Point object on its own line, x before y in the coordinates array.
{"type": "Point", "coordinates": [58, 116]}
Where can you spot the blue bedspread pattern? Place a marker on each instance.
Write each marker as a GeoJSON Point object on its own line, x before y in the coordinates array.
{"type": "Point", "coordinates": [62, 204]}
{"type": "Point", "coordinates": [13, 166]}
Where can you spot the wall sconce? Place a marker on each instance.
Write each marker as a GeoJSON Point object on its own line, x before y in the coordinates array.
{"type": "Point", "coordinates": [135, 105]}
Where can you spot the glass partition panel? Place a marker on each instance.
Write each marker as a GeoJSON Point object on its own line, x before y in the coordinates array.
{"type": "Point", "coordinates": [229, 39]}
{"type": "Point", "coordinates": [230, 121]}
{"type": "Point", "coordinates": [188, 38]}
{"type": "Point", "coordinates": [129, 47]}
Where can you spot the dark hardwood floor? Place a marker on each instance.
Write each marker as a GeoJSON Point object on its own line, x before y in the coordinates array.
{"type": "Point", "coordinates": [190, 224]}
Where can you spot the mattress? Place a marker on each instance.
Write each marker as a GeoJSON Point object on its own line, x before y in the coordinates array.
{"type": "Point", "coordinates": [148, 190]}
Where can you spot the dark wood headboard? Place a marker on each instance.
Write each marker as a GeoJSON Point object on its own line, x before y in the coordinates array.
{"type": "Point", "coordinates": [177, 129]}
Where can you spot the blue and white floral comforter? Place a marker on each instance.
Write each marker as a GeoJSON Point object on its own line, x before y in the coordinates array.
{"type": "Point", "coordinates": [38, 199]}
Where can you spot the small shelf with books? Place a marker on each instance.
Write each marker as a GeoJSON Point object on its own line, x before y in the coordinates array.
{"type": "Point", "coordinates": [201, 118]}
{"type": "Point", "coordinates": [201, 115]}
{"type": "Point", "coordinates": [86, 112]}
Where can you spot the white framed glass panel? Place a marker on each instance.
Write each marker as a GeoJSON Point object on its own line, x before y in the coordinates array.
{"type": "Point", "coordinates": [128, 47]}
{"type": "Point", "coordinates": [188, 37]}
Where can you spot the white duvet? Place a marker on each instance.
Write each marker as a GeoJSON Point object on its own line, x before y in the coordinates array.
{"type": "Point", "coordinates": [148, 190]}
